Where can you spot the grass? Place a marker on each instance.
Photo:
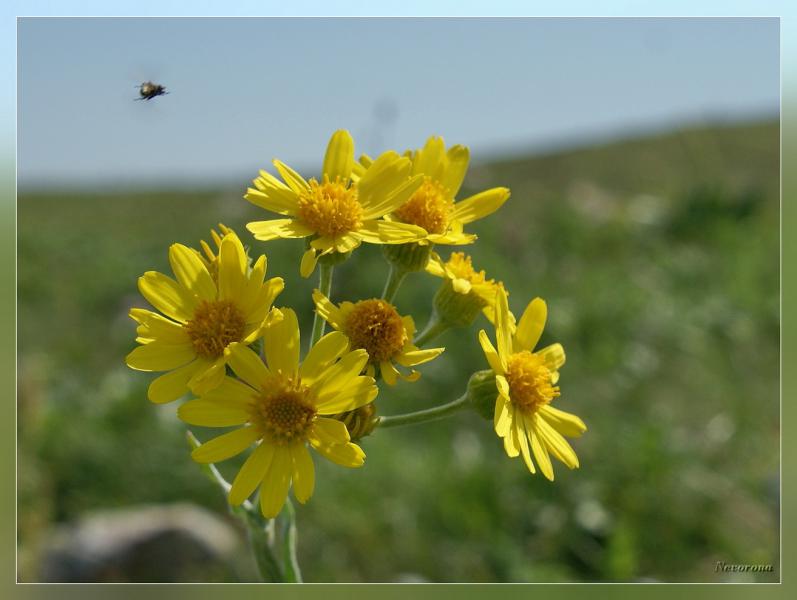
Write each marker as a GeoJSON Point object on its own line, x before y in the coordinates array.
{"type": "Point", "coordinates": [659, 261]}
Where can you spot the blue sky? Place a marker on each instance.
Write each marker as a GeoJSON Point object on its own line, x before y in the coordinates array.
{"type": "Point", "coordinates": [246, 90]}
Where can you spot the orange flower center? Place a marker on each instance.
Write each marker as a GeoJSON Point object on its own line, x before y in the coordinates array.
{"type": "Point", "coordinates": [283, 413]}
{"type": "Point", "coordinates": [214, 326]}
{"type": "Point", "coordinates": [430, 207]}
{"type": "Point", "coordinates": [376, 326]}
{"type": "Point", "coordinates": [330, 208]}
{"type": "Point", "coordinates": [529, 380]}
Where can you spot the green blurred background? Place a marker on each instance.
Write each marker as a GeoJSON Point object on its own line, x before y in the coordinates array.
{"type": "Point", "coordinates": [658, 257]}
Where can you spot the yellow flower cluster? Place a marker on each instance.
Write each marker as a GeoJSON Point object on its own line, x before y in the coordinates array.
{"type": "Point", "coordinates": [215, 333]}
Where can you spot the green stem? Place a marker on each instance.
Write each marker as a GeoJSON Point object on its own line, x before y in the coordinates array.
{"type": "Point", "coordinates": [262, 547]}
{"type": "Point", "coordinates": [422, 416]}
{"type": "Point", "coordinates": [293, 573]}
{"type": "Point", "coordinates": [259, 531]}
{"type": "Point", "coordinates": [325, 287]}
{"type": "Point", "coordinates": [433, 328]}
{"type": "Point", "coordinates": [394, 279]}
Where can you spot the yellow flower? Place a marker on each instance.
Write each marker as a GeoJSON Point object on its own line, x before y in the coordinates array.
{"type": "Point", "coordinates": [433, 206]}
{"type": "Point", "coordinates": [343, 209]}
{"type": "Point", "coordinates": [202, 315]}
{"type": "Point", "coordinates": [376, 326]}
{"type": "Point", "coordinates": [526, 384]}
{"type": "Point", "coordinates": [280, 407]}
{"type": "Point", "coordinates": [465, 281]}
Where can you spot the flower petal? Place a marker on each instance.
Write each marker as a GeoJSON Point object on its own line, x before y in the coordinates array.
{"type": "Point", "coordinates": [409, 328]}
{"type": "Point", "coordinates": [502, 419]}
{"type": "Point", "coordinates": [323, 244]}
{"type": "Point", "coordinates": [523, 440]}
{"type": "Point", "coordinates": [346, 242]}
{"type": "Point", "coordinates": [345, 455]}
{"type": "Point", "coordinates": [207, 413]}
{"type": "Point", "coordinates": [480, 205]}
{"type": "Point", "coordinates": [503, 334]}
{"type": "Point", "coordinates": [251, 474]}
{"type": "Point", "coordinates": [209, 377]}
{"type": "Point", "coordinates": [328, 311]}
{"type": "Point", "coordinates": [247, 365]}
{"type": "Point", "coordinates": [457, 165]}
{"type": "Point", "coordinates": [389, 232]}
{"type": "Point", "coordinates": [166, 295]}
{"type": "Point", "coordinates": [461, 286]}
{"type": "Point", "coordinates": [553, 355]}
{"type": "Point", "coordinates": [191, 272]}
{"type": "Point", "coordinates": [538, 449]}
{"type": "Point", "coordinates": [232, 391]}
{"type": "Point", "coordinates": [232, 268]}
{"type": "Point", "coordinates": [303, 472]}
{"type": "Point", "coordinates": [172, 385]}
{"type": "Point", "coordinates": [251, 286]}
{"type": "Point", "coordinates": [159, 356]}
{"type": "Point", "coordinates": [389, 373]}
{"type": "Point", "coordinates": [418, 357]}
{"type": "Point", "coordinates": [274, 200]}
{"type": "Point", "coordinates": [384, 177]}
{"type": "Point", "coordinates": [281, 344]}
{"type": "Point", "coordinates": [325, 436]}
{"type": "Point", "coordinates": [326, 351]}
{"type": "Point", "coordinates": [329, 432]}
{"type": "Point", "coordinates": [564, 422]}
{"type": "Point", "coordinates": [295, 181]}
{"type": "Point", "coordinates": [278, 228]}
{"type": "Point", "coordinates": [497, 364]}
{"type": "Point", "coordinates": [153, 326]}
{"type": "Point", "coordinates": [452, 238]}
{"type": "Point", "coordinates": [309, 260]}
{"type": "Point", "coordinates": [336, 377]}
{"type": "Point", "coordinates": [358, 392]}
{"type": "Point", "coordinates": [556, 444]}
{"type": "Point", "coordinates": [503, 386]}
{"type": "Point", "coordinates": [436, 266]}
{"type": "Point", "coordinates": [266, 295]}
{"type": "Point", "coordinates": [225, 446]}
{"type": "Point", "coordinates": [429, 159]}
{"type": "Point", "coordinates": [272, 195]}
{"type": "Point", "coordinates": [412, 376]}
{"type": "Point", "coordinates": [511, 441]}
{"type": "Point", "coordinates": [531, 325]}
{"type": "Point", "coordinates": [274, 489]}
{"type": "Point", "coordinates": [339, 157]}
{"type": "Point", "coordinates": [397, 198]}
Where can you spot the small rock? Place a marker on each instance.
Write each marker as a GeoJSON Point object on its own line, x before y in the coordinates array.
{"type": "Point", "coordinates": [162, 543]}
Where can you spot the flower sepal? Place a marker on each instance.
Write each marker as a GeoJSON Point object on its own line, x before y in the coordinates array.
{"type": "Point", "coordinates": [455, 308]}
{"type": "Point", "coordinates": [360, 422]}
{"type": "Point", "coordinates": [408, 258]}
{"type": "Point", "coordinates": [482, 393]}
{"type": "Point", "coordinates": [334, 258]}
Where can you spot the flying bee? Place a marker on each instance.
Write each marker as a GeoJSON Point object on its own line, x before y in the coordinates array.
{"type": "Point", "coordinates": [149, 90]}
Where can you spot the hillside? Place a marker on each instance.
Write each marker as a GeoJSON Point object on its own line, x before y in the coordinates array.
{"type": "Point", "coordinates": [658, 257]}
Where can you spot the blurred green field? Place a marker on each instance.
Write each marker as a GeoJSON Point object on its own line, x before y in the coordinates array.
{"type": "Point", "coordinates": [659, 259]}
